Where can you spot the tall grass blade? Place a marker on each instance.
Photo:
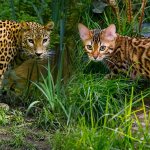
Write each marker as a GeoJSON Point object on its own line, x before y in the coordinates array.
{"type": "Point", "coordinates": [62, 31]}
{"type": "Point", "coordinates": [31, 106]}
{"type": "Point", "coordinates": [55, 11]}
{"type": "Point", "coordinates": [38, 12]}
{"type": "Point", "coordinates": [47, 88]}
{"type": "Point", "coordinates": [12, 9]}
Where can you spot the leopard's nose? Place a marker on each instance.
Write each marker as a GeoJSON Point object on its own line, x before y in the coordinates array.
{"type": "Point", "coordinates": [38, 54]}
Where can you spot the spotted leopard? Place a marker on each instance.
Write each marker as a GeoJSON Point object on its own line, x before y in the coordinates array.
{"type": "Point", "coordinates": [30, 37]}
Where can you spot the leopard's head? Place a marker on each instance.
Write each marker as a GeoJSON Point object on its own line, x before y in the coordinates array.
{"type": "Point", "coordinates": [36, 38]}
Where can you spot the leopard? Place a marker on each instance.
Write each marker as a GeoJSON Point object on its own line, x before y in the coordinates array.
{"type": "Point", "coordinates": [30, 38]}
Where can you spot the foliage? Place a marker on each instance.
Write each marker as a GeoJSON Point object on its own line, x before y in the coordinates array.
{"type": "Point", "coordinates": [114, 131]}
{"type": "Point", "coordinates": [25, 10]}
{"type": "Point", "coordinates": [87, 111]}
{"type": "Point", "coordinates": [3, 117]}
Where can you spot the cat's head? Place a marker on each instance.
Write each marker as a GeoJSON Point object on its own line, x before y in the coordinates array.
{"type": "Point", "coordinates": [99, 44]}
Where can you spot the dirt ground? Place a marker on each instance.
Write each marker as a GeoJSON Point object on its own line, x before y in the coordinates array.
{"type": "Point", "coordinates": [21, 133]}
{"type": "Point", "coordinates": [29, 139]}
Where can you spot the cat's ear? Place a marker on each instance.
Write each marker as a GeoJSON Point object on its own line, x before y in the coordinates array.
{"type": "Point", "coordinates": [84, 32]}
{"type": "Point", "coordinates": [110, 32]}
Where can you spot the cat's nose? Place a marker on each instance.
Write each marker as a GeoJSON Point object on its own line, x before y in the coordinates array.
{"type": "Point", "coordinates": [95, 57]}
{"type": "Point", "coordinates": [38, 54]}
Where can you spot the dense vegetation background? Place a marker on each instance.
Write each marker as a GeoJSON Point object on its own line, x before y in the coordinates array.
{"type": "Point", "coordinates": [76, 107]}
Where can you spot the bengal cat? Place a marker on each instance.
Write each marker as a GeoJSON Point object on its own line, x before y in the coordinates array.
{"type": "Point", "coordinates": [122, 54]}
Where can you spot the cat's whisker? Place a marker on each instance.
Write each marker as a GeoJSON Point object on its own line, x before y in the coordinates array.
{"type": "Point", "coordinates": [110, 61]}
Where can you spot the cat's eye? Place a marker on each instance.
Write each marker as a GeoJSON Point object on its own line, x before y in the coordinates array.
{"type": "Point", "coordinates": [45, 40]}
{"type": "Point", "coordinates": [89, 47]}
{"type": "Point", "coordinates": [102, 48]}
{"type": "Point", "coordinates": [31, 41]}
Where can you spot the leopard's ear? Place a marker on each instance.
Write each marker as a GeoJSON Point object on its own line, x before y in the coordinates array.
{"type": "Point", "coordinates": [84, 32]}
{"type": "Point", "coordinates": [49, 26]}
{"type": "Point", "coordinates": [110, 32]}
{"type": "Point", "coordinates": [25, 26]}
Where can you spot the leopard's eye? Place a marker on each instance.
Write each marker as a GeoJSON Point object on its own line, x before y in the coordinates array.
{"type": "Point", "coordinates": [45, 40]}
{"type": "Point", "coordinates": [102, 48]}
{"type": "Point", "coordinates": [31, 41]}
{"type": "Point", "coordinates": [89, 47]}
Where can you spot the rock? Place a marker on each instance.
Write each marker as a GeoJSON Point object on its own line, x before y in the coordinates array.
{"type": "Point", "coordinates": [4, 106]}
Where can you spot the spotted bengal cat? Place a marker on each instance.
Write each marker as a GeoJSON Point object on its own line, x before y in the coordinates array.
{"type": "Point", "coordinates": [122, 54]}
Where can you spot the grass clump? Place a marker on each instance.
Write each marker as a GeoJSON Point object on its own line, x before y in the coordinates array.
{"type": "Point", "coordinates": [88, 111]}
{"type": "Point", "coordinates": [89, 91]}
{"type": "Point", "coordinates": [102, 114]}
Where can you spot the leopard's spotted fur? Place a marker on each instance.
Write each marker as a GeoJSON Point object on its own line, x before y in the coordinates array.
{"type": "Point", "coordinates": [30, 37]}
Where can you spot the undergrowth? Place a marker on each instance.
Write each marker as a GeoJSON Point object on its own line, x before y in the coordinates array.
{"type": "Point", "coordinates": [89, 111]}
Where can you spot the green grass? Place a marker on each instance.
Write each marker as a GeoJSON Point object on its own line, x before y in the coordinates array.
{"type": "Point", "coordinates": [97, 113]}
{"type": "Point", "coordinates": [3, 117]}
{"type": "Point", "coordinates": [101, 119]}
{"type": "Point", "coordinates": [89, 112]}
